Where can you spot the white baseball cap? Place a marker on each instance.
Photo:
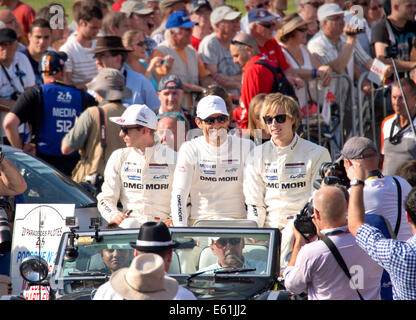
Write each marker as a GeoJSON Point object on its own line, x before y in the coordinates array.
{"type": "Point", "coordinates": [328, 10]}
{"type": "Point", "coordinates": [210, 105]}
{"type": "Point", "coordinates": [223, 13]}
{"type": "Point", "coordinates": [137, 114]}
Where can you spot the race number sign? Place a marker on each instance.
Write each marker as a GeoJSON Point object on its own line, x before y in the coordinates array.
{"type": "Point", "coordinates": [37, 231]}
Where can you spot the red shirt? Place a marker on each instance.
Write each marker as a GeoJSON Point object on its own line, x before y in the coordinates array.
{"type": "Point", "coordinates": [256, 79]}
{"type": "Point", "coordinates": [116, 6]}
{"type": "Point", "coordinates": [273, 52]}
{"type": "Point", "coordinates": [195, 42]}
{"type": "Point", "coordinates": [25, 15]}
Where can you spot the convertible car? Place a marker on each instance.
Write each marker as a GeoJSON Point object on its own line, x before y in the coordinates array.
{"type": "Point", "coordinates": [81, 265]}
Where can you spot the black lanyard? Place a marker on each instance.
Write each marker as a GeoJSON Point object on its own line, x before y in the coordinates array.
{"type": "Point", "coordinates": [397, 138]}
{"type": "Point", "coordinates": [10, 79]}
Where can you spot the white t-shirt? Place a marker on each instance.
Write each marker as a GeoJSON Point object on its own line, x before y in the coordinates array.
{"type": "Point", "coordinates": [80, 61]}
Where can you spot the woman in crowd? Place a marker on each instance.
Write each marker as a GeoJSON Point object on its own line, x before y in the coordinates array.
{"type": "Point", "coordinates": [254, 121]}
{"type": "Point", "coordinates": [292, 37]}
{"type": "Point", "coordinates": [134, 40]}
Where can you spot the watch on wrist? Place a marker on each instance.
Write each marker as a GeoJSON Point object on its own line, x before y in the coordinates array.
{"type": "Point", "coordinates": [356, 182]}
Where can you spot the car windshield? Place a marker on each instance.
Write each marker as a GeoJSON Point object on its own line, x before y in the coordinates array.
{"type": "Point", "coordinates": [45, 184]}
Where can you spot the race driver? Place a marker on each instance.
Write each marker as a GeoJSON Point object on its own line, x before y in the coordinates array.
{"type": "Point", "coordinates": [279, 175]}
{"type": "Point", "coordinates": [209, 169]}
{"type": "Point", "coordinates": [139, 176]}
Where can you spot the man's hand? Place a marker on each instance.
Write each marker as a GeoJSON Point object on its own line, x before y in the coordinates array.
{"type": "Point", "coordinates": [325, 74]}
{"type": "Point", "coordinates": [367, 87]}
{"type": "Point", "coordinates": [30, 148]}
{"type": "Point", "coordinates": [351, 32]}
{"type": "Point", "coordinates": [118, 218]}
{"type": "Point", "coordinates": [355, 170]}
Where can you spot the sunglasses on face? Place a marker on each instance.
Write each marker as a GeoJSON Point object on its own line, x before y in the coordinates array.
{"type": "Point", "coordinates": [363, 4]}
{"type": "Point", "coordinates": [263, 5]}
{"type": "Point", "coordinates": [267, 25]}
{"type": "Point", "coordinates": [376, 7]}
{"type": "Point", "coordinates": [221, 119]}
{"type": "Point", "coordinates": [302, 29]}
{"type": "Point", "coordinates": [316, 5]}
{"type": "Point", "coordinates": [141, 44]}
{"type": "Point", "coordinates": [222, 242]}
{"type": "Point", "coordinates": [280, 118]}
{"type": "Point", "coordinates": [125, 130]}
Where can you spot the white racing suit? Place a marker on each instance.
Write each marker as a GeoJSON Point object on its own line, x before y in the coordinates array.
{"type": "Point", "coordinates": [142, 182]}
{"type": "Point", "coordinates": [213, 179]}
{"type": "Point", "coordinates": [278, 181]}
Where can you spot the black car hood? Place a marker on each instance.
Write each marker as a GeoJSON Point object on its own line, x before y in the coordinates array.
{"type": "Point", "coordinates": [227, 288]}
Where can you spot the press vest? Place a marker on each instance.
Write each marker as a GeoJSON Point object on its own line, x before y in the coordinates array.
{"type": "Point", "coordinates": [61, 105]}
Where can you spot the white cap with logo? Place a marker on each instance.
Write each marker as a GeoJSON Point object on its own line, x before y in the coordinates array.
{"type": "Point", "coordinates": [210, 105]}
{"type": "Point", "coordinates": [137, 114]}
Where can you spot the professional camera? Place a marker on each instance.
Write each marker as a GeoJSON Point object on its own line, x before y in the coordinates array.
{"type": "Point", "coordinates": [337, 173]}
{"type": "Point", "coordinates": [5, 233]}
{"type": "Point", "coordinates": [15, 95]}
{"type": "Point", "coordinates": [391, 51]}
{"type": "Point", "coordinates": [303, 222]}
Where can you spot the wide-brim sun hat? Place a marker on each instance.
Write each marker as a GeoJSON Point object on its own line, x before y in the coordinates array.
{"type": "Point", "coordinates": [291, 25]}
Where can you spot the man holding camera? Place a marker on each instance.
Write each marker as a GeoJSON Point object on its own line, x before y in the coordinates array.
{"type": "Point", "coordinates": [314, 269]}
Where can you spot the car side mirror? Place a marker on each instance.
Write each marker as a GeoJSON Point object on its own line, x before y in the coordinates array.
{"type": "Point", "coordinates": [34, 270]}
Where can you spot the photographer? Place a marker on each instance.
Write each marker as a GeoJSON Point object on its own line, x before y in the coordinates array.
{"type": "Point", "coordinates": [314, 269]}
{"type": "Point", "coordinates": [382, 195]}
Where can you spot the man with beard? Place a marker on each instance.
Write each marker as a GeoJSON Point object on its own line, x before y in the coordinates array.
{"type": "Point", "coordinates": [229, 252]}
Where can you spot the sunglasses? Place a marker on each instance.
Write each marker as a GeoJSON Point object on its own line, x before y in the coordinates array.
{"type": "Point", "coordinates": [280, 118]}
{"type": "Point", "coordinates": [173, 115]}
{"type": "Point", "coordinates": [239, 43]}
{"type": "Point", "coordinates": [376, 7]}
{"type": "Point", "coordinates": [222, 242]}
{"type": "Point", "coordinates": [125, 130]}
{"type": "Point", "coordinates": [363, 4]}
{"type": "Point", "coordinates": [335, 18]}
{"type": "Point", "coordinates": [267, 25]}
{"type": "Point", "coordinates": [302, 29]}
{"type": "Point", "coordinates": [316, 5]}
{"type": "Point", "coordinates": [221, 119]}
{"type": "Point", "coordinates": [263, 5]}
{"type": "Point", "coordinates": [141, 44]}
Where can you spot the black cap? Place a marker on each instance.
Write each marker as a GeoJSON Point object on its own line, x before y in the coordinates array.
{"type": "Point", "coordinates": [7, 34]}
{"type": "Point", "coordinates": [154, 236]}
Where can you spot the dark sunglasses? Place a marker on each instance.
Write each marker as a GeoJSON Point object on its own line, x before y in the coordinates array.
{"type": "Point", "coordinates": [141, 44]}
{"type": "Point", "coordinates": [125, 130]}
{"type": "Point", "coordinates": [222, 242]}
{"type": "Point", "coordinates": [263, 5]}
{"type": "Point", "coordinates": [376, 7]}
{"type": "Point", "coordinates": [220, 119]}
{"type": "Point", "coordinates": [267, 25]}
{"type": "Point", "coordinates": [316, 5]}
{"type": "Point", "coordinates": [173, 115]}
{"type": "Point", "coordinates": [363, 4]}
{"type": "Point", "coordinates": [239, 43]}
{"type": "Point", "coordinates": [302, 29]}
{"type": "Point", "coordinates": [280, 118]}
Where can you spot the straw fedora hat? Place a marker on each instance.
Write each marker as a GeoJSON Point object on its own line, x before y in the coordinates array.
{"type": "Point", "coordinates": [145, 279]}
{"type": "Point", "coordinates": [290, 24]}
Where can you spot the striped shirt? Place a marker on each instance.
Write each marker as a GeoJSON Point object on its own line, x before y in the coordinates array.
{"type": "Point", "coordinates": [80, 60]}
{"type": "Point", "coordinates": [398, 258]}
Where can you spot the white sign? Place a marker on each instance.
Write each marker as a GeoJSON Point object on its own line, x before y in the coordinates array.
{"type": "Point", "coordinates": [376, 74]}
{"type": "Point", "coordinates": [37, 231]}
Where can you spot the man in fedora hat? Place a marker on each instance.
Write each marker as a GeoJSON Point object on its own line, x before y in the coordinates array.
{"type": "Point", "coordinates": [51, 109]}
{"type": "Point", "coordinates": [154, 237]}
{"type": "Point", "coordinates": [139, 176]}
{"type": "Point", "coordinates": [110, 53]}
{"type": "Point", "coordinates": [87, 134]}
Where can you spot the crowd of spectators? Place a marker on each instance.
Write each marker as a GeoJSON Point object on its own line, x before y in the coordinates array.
{"type": "Point", "coordinates": [184, 110]}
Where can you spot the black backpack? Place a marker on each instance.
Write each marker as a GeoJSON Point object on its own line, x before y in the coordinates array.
{"type": "Point", "coordinates": [280, 84]}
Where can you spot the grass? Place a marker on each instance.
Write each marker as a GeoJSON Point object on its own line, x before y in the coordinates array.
{"type": "Point", "coordinates": [37, 4]}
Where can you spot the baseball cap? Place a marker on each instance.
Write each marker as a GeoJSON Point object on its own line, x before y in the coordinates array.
{"type": "Point", "coordinates": [7, 34]}
{"type": "Point", "coordinates": [210, 105]}
{"type": "Point", "coordinates": [110, 84]}
{"type": "Point", "coordinates": [223, 13]}
{"type": "Point", "coordinates": [131, 6]}
{"type": "Point", "coordinates": [328, 10]}
{"type": "Point", "coordinates": [53, 62]}
{"type": "Point", "coordinates": [355, 146]}
{"type": "Point", "coordinates": [198, 4]}
{"type": "Point", "coordinates": [262, 15]}
{"type": "Point", "coordinates": [179, 19]}
{"type": "Point", "coordinates": [163, 83]}
{"type": "Point", "coordinates": [137, 114]}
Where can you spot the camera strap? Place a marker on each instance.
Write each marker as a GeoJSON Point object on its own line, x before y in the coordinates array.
{"type": "Point", "coordinates": [399, 206]}
{"type": "Point", "coordinates": [10, 79]}
{"type": "Point", "coordinates": [332, 247]}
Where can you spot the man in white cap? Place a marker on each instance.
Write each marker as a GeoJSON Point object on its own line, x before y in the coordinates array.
{"type": "Point", "coordinates": [138, 176]}
{"type": "Point", "coordinates": [209, 169]}
{"type": "Point", "coordinates": [215, 49]}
